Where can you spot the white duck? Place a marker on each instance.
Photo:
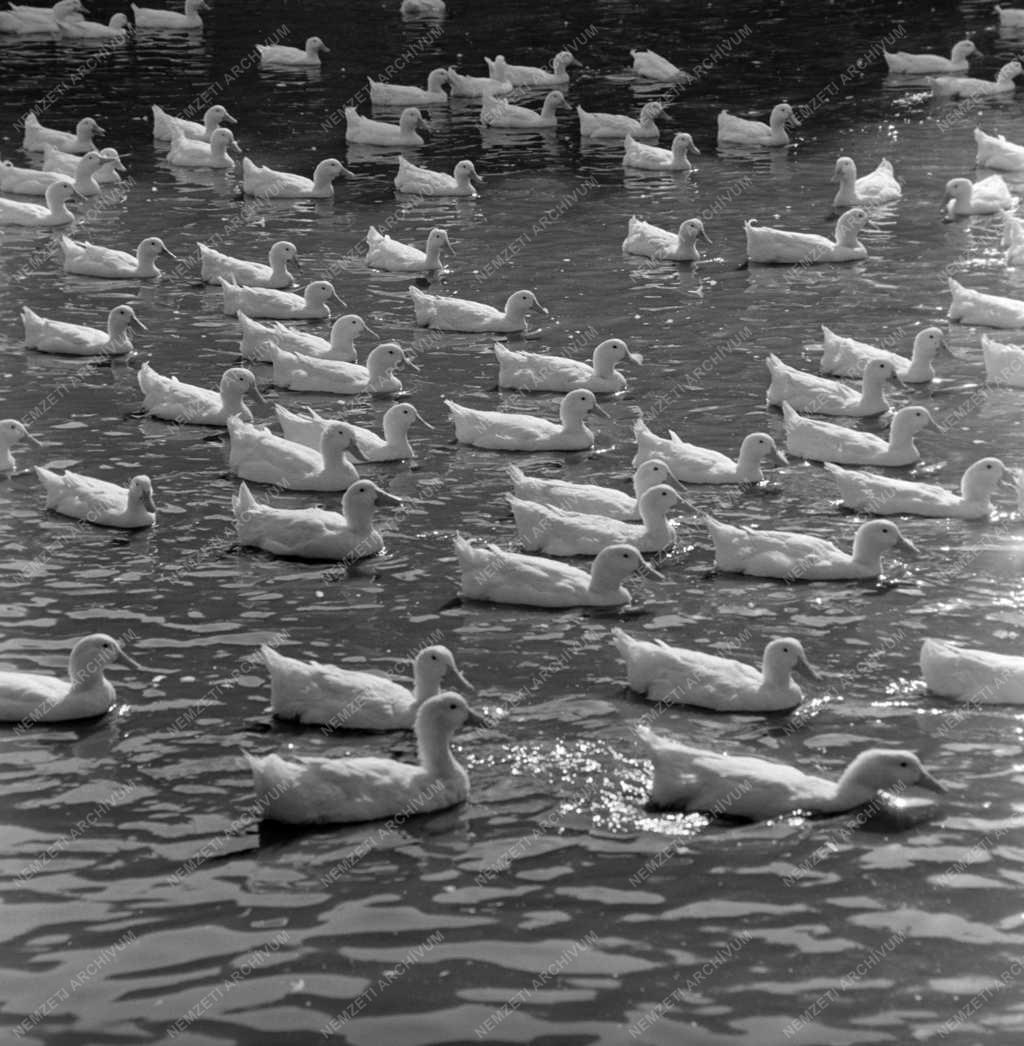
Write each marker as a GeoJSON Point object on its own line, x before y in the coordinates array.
{"type": "Point", "coordinates": [996, 153]}
{"type": "Point", "coordinates": [74, 339]}
{"type": "Point", "coordinates": [989, 196]}
{"type": "Point", "coordinates": [12, 432]}
{"type": "Point", "coordinates": [683, 676]}
{"type": "Point", "coordinates": [538, 372]}
{"type": "Point", "coordinates": [456, 314]}
{"type": "Point", "coordinates": [167, 127]}
{"type": "Point", "coordinates": [97, 501]}
{"type": "Point", "coordinates": [423, 8]}
{"type": "Point", "coordinates": [259, 339]}
{"type": "Point", "coordinates": [848, 357]}
{"type": "Point", "coordinates": [969, 87]}
{"type": "Point", "coordinates": [402, 94]}
{"type": "Point", "coordinates": [27, 181]}
{"type": "Point", "coordinates": [692, 464]}
{"type": "Point", "coordinates": [497, 112]}
{"type": "Point", "coordinates": [984, 310]}
{"type": "Point", "coordinates": [190, 152]}
{"type": "Point", "coordinates": [174, 400]}
{"type": "Point", "coordinates": [884, 496]}
{"type": "Point", "coordinates": [36, 136]}
{"type": "Point", "coordinates": [878, 187]}
{"type": "Point", "coordinates": [117, 29]}
{"type": "Point", "coordinates": [23, 19]}
{"type": "Point", "coordinates": [318, 790]}
{"type": "Point", "coordinates": [36, 216]}
{"type": "Point", "coordinates": [651, 241]}
{"type": "Point", "coordinates": [365, 131]}
{"type": "Point", "coordinates": [214, 266]}
{"type": "Point", "coordinates": [651, 66]}
{"type": "Point", "coordinates": [462, 86]}
{"type": "Point", "coordinates": [824, 441]}
{"type": "Point", "coordinates": [283, 55]}
{"type": "Point", "coordinates": [293, 370]}
{"type": "Point", "coordinates": [1010, 17]}
{"type": "Point", "coordinates": [815, 395]}
{"type": "Point", "coordinates": [313, 533]}
{"type": "Point", "coordinates": [734, 130]}
{"type": "Point", "coordinates": [494, 430]}
{"type": "Point", "coordinates": [258, 455]}
{"type": "Point", "coordinates": [532, 75]}
{"type": "Point", "coordinates": [904, 62]}
{"type": "Point", "coordinates": [1014, 232]}
{"type": "Point", "coordinates": [609, 125]}
{"type": "Point", "coordinates": [89, 259]}
{"type": "Point", "coordinates": [268, 303]}
{"type": "Point", "coordinates": [345, 698]}
{"type": "Point", "coordinates": [159, 19]}
{"type": "Point", "coordinates": [653, 158]}
{"type": "Point", "coordinates": [972, 675]}
{"type": "Point", "coordinates": [780, 247]}
{"type": "Point", "coordinates": [1004, 364]}
{"type": "Point", "coordinates": [57, 162]}
{"type": "Point", "coordinates": [393, 446]}
{"type": "Point", "coordinates": [283, 185]}
{"type": "Point", "coordinates": [391, 256]}
{"type": "Point", "coordinates": [422, 181]}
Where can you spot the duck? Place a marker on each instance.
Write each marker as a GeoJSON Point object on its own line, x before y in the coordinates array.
{"type": "Point", "coordinates": [312, 533]}
{"type": "Point", "coordinates": [494, 430]}
{"type": "Point", "coordinates": [36, 216]}
{"type": "Point", "coordinates": [258, 339]}
{"type": "Point", "coordinates": [258, 455]}
{"type": "Point", "coordinates": [363, 130]}
{"type": "Point", "coordinates": [653, 158]}
{"type": "Point", "coordinates": [824, 441]}
{"type": "Point", "coordinates": [969, 87]}
{"type": "Point", "coordinates": [402, 94]}
{"type": "Point", "coordinates": [422, 181]}
{"type": "Point", "coordinates": [989, 196]}
{"type": "Point", "coordinates": [556, 532]}
{"type": "Point", "coordinates": [293, 370]}
{"type": "Point", "coordinates": [1004, 364]}
{"type": "Point", "coordinates": [672, 675]}
{"type": "Point", "coordinates": [903, 62]}
{"type": "Point", "coordinates": [475, 86]}
{"type": "Point", "coordinates": [1014, 253]}
{"type": "Point", "coordinates": [315, 694]}
{"type": "Point", "coordinates": [99, 502]}
{"type": "Point", "coordinates": [779, 247]}
{"type": "Point", "coordinates": [532, 75]}
{"type": "Point", "coordinates": [81, 142]}
{"type": "Point", "coordinates": [590, 498]}
{"type": "Point", "coordinates": [282, 55]}
{"type": "Point", "coordinates": [157, 18]}
{"type": "Point", "coordinates": [609, 125]}
{"type": "Point", "coordinates": [456, 314]}
{"type": "Point", "coordinates": [12, 432]}
{"type": "Point", "coordinates": [791, 556]}
{"type": "Point", "coordinates": [884, 496]}
{"type": "Point", "coordinates": [167, 127]}
{"type": "Point", "coordinates": [651, 241]}
{"type": "Point", "coordinates": [391, 256]}
{"type": "Point", "coordinates": [268, 303]}
{"type": "Point", "coordinates": [734, 130]}
{"type": "Point", "coordinates": [1010, 16]}
{"type": "Point", "coordinates": [692, 464]}
{"type": "Point", "coordinates": [878, 187]}
{"type": "Point", "coordinates": [174, 400]}
{"type": "Point", "coordinates": [393, 446]}
{"type": "Point", "coordinates": [492, 575]}
{"type": "Point", "coordinates": [57, 162]}
{"type": "Point", "coordinates": [984, 310]}
{"type": "Point", "coordinates": [650, 65]}
{"type": "Point", "coordinates": [814, 395]}
{"type": "Point", "coordinates": [89, 259]}
{"type": "Point", "coordinates": [968, 674]}
{"type": "Point", "coordinates": [996, 153]}
{"type": "Point", "coordinates": [27, 181]}
{"type": "Point", "coordinates": [31, 697]}
{"type": "Point", "coordinates": [749, 788]}
{"type": "Point", "coordinates": [117, 29]}
{"type": "Point", "coordinates": [214, 266]}
{"type": "Point", "coordinates": [24, 19]}
{"type": "Point", "coordinates": [497, 112]}
{"type": "Point", "coordinates": [189, 152]}
{"type": "Point", "coordinates": [848, 357]}
{"type": "Point", "coordinates": [320, 790]}
{"type": "Point", "coordinates": [283, 185]}
{"type": "Point", "coordinates": [538, 372]}
{"type": "Point", "coordinates": [423, 8]}
{"type": "Point", "coordinates": [75, 339]}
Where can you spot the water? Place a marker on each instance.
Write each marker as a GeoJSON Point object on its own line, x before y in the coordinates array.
{"type": "Point", "coordinates": [142, 901]}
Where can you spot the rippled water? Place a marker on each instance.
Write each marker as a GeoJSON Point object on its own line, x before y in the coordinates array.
{"type": "Point", "coordinates": [140, 899]}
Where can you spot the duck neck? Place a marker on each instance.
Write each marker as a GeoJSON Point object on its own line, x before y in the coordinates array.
{"type": "Point", "coordinates": [117, 331]}
{"type": "Point", "coordinates": [425, 684]}
{"type": "Point", "coordinates": [900, 439]}
{"type": "Point", "coordinates": [774, 673]}
{"type": "Point", "coordinates": [146, 264]}
{"type": "Point", "coordinates": [748, 466]}
{"type": "Point", "coordinates": [433, 254]}
{"type": "Point", "coordinates": [232, 396]}
{"type": "Point", "coordinates": [380, 373]}
{"type": "Point", "coordinates": [435, 753]}
{"type": "Point", "coordinates": [866, 554]}
{"type": "Point", "coordinates": [358, 516]}
{"type": "Point", "coordinates": [604, 579]}
{"type": "Point", "coordinates": [549, 108]}
{"type": "Point", "coordinates": [396, 436]}
{"type": "Point", "coordinates": [872, 394]}
{"type": "Point", "coordinates": [846, 235]}
{"type": "Point", "coordinates": [656, 523]}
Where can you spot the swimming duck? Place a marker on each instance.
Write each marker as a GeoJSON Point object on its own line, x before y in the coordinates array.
{"type": "Point", "coordinates": [97, 501]}
{"type": "Point", "coordinates": [682, 676]}
{"type": "Point", "coordinates": [814, 395]}
{"type": "Point", "coordinates": [848, 357]}
{"type": "Point", "coordinates": [89, 259]}
{"type": "Point", "coordinates": [456, 314]}
{"type": "Point", "coordinates": [475, 86]}
{"type": "Point", "coordinates": [497, 112]}
{"type": "Point", "coordinates": [903, 62]}
{"type": "Point", "coordinates": [588, 497]}
{"type": "Point", "coordinates": [117, 28]}
{"type": "Point", "coordinates": [653, 158]}
{"type": "Point", "coordinates": [24, 19]}
{"type": "Point", "coordinates": [166, 127]}
{"type": "Point", "coordinates": [884, 496]}
{"type": "Point", "coordinates": [532, 75]}
{"type": "Point", "coordinates": [174, 400]}
{"type": "Point", "coordinates": [971, 675]}
{"type": "Point", "coordinates": [556, 532]}
{"type": "Point", "coordinates": [792, 556]}
{"type": "Point", "coordinates": [189, 152]}
{"type": "Point", "coordinates": [318, 790]}
{"type": "Point", "coordinates": [214, 265]}
{"type": "Point", "coordinates": [1004, 364]}
{"type": "Point", "coordinates": [282, 55]}
{"type": "Point", "coordinates": [57, 162]}
{"type": "Point", "coordinates": [1010, 16]}
{"type": "Point", "coordinates": [30, 697]}
{"type": "Point", "coordinates": [293, 370]}
{"type": "Point", "coordinates": [494, 430]}
{"type": "Point", "coordinates": [325, 695]}
{"type": "Point", "coordinates": [538, 372]}
{"type": "Point", "coordinates": [609, 125]}
{"type": "Point", "coordinates": [36, 216]}
{"type": "Point", "coordinates": [391, 256]}
{"type": "Point", "coordinates": [424, 182]}
{"type": "Point", "coordinates": [283, 185]}
{"type": "Point", "coordinates": [267, 303]}
{"type": "Point", "coordinates": [734, 130]}
{"type": "Point", "coordinates": [493, 575]}
{"type": "Point", "coordinates": [259, 339]}
{"type": "Point", "coordinates": [366, 131]}
{"type": "Point", "coordinates": [824, 441]}
{"type": "Point", "coordinates": [11, 433]}
{"type": "Point", "coordinates": [651, 241]}
{"type": "Point", "coordinates": [157, 18]}
{"type": "Point", "coordinates": [984, 310]}
{"type": "Point", "coordinates": [27, 181]}
{"type": "Point", "coordinates": [257, 454]}
{"type": "Point", "coordinates": [423, 8]}
{"type": "Point", "coordinates": [74, 339]}
{"type": "Point", "coordinates": [402, 94]}
{"type": "Point", "coordinates": [969, 87]}
{"type": "Point", "coordinates": [989, 196]}
{"type": "Point", "coordinates": [996, 153]}
{"type": "Point", "coordinates": [754, 789]}
{"type": "Point", "coordinates": [880, 186]}
{"type": "Point", "coordinates": [651, 66]}
{"type": "Point", "coordinates": [394, 446]}
{"type": "Point", "coordinates": [780, 247]}
{"type": "Point", "coordinates": [1014, 253]}
{"type": "Point", "coordinates": [692, 464]}
{"type": "Point", "coordinates": [313, 533]}
{"type": "Point", "coordinates": [36, 136]}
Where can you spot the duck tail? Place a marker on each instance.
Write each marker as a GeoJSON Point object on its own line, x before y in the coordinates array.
{"type": "Point", "coordinates": [789, 415]}
{"type": "Point", "coordinates": [515, 474]}
{"type": "Point", "coordinates": [243, 502]}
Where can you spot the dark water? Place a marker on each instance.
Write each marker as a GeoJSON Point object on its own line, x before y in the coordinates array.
{"type": "Point", "coordinates": [142, 902]}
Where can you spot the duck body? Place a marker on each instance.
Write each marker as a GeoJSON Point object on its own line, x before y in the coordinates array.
{"type": "Point", "coordinates": [457, 314]}
{"type": "Point", "coordinates": [816, 395]}
{"type": "Point", "coordinates": [497, 112]}
{"type": "Point", "coordinates": [610, 125]}
{"type": "Point", "coordinates": [36, 216]}
{"type": "Point", "coordinates": [984, 310]}
{"type": "Point", "coordinates": [402, 94]}
{"type": "Point", "coordinates": [735, 130]}
{"type": "Point", "coordinates": [214, 265]}
{"type": "Point", "coordinates": [651, 241]}
{"type": "Point", "coordinates": [878, 187]}
{"type": "Point", "coordinates": [991, 195]}
{"type": "Point", "coordinates": [476, 86]}
{"type": "Point", "coordinates": [57, 162]}
{"type": "Point", "coordinates": [970, 87]}
{"type": "Point", "coordinates": [538, 372]}
{"type": "Point", "coordinates": [192, 152]}
{"type": "Point", "coordinates": [848, 357]}
{"type": "Point", "coordinates": [825, 441]}
{"type": "Point", "coordinates": [80, 29]}
{"type": "Point", "coordinates": [174, 400]}
{"type": "Point", "coordinates": [651, 66]}
{"type": "Point", "coordinates": [1004, 364]}
{"type": "Point", "coordinates": [996, 153]}
{"type": "Point", "coordinates": [390, 255]}
{"type": "Point", "coordinates": [27, 181]}
{"type": "Point", "coordinates": [173, 21]}
{"type": "Point", "coordinates": [37, 136]}
{"type": "Point", "coordinates": [394, 446]}
{"type": "Point", "coordinates": [421, 181]}
{"type": "Point", "coordinates": [646, 157]}
{"type": "Point", "coordinates": [967, 674]}
{"type": "Point", "coordinates": [284, 56]}
{"type": "Point", "coordinates": [693, 464]}
{"type": "Point", "coordinates": [167, 127]}
{"type": "Point", "coordinates": [89, 259]}
{"type": "Point", "coordinates": [495, 430]}
{"type": "Point", "coordinates": [99, 502]}
{"type": "Point", "coordinates": [364, 130]}
{"type": "Point", "coordinates": [283, 185]}
{"type": "Point", "coordinates": [24, 19]}
{"type": "Point", "coordinates": [259, 340]}
{"type": "Point", "coordinates": [532, 75]}
{"type": "Point", "coordinates": [75, 339]}
{"type": "Point", "coordinates": [780, 247]}
{"type": "Point", "coordinates": [292, 370]}
{"type": "Point", "coordinates": [905, 62]}
{"type": "Point", "coordinates": [268, 303]}
{"type": "Point", "coordinates": [258, 455]}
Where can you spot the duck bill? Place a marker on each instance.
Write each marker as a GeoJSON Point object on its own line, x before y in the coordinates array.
{"type": "Point", "coordinates": [704, 236]}
{"type": "Point", "coordinates": [297, 264]}
{"type": "Point", "coordinates": [448, 244]}
{"type": "Point", "coordinates": [98, 130]}
{"type": "Point", "coordinates": [409, 363]}
{"type": "Point", "coordinates": [598, 409]}
{"type": "Point", "coordinates": [793, 121]}
{"type": "Point", "coordinates": [694, 149]}
{"type": "Point", "coordinates": [423, 421]}
{"type": "Point", "coordinates": [123, 655]}
{"type": "Point", "coordinates": [475, 178]}
{"type": "Point", "coordinates": [228, 118]}
{"type": "Point", "coordinates": [257, 394]}
{"type": "Point", "coordinates": [325, 49]}
{"type": "Point", "coordinates": [541, 307]}
{"type": "Point", "coordinates": [338, 297]}
{"type": "Point", "coordinates": [474, 719]}
{"type": "Point", "coordinates": [463, 681]}
{"type": "Point", "coordinates": [779, 457]}
{"type": "Point", "coordinates": [834, 179]}
{"type": "Point", "coordinates": [646, 568]}
{"type": "Point", "coordinates": [136, 322]}
{"type": "Point", "coordinates": [806, 669]}
{"type": "Point", "coordinates": [927, 781]}
{"type": "Point", "coordinates": [422, 125]}
{"type": "Point", "coordinates": [634, 357]}
{"type": "Point", "coordinates": [347, 173]}
{"type": "Point", "coordinates": [908, 546]}
{"type": "Point", "coordinates": [170, 254]}
{"type": "Point", "coordinates": [32, 439]}
{"type": "Point", "coordinates": [372, 334]}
